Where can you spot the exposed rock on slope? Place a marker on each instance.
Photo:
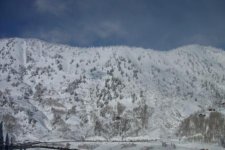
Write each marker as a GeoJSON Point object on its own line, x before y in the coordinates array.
{"type": "Point", "coordinates": [209, 127]}
{"type": "Point", "coordinates": [55, 91]}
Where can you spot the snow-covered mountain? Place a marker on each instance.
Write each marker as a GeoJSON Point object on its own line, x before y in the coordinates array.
{"type": "Point", "coordinates": [50, 91]}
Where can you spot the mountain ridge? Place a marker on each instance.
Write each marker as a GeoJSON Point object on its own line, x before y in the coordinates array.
{"type": "Point", "coordinates": [116, 46]}
{"type": "Point", "coordinates": [57, 91]}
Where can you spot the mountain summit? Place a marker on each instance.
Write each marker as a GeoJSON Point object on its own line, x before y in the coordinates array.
{"type": "Point", "coordinates": [50, 91]}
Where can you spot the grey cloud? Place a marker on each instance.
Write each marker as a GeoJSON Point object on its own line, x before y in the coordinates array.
{"type": "Point", "coordinates": [85, 35]}
{"type": "Point", "coordinates": [55, 7]}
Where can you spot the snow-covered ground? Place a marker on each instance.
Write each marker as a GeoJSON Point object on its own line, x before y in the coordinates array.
{"type": "Point", "coordinates": [152, 145]}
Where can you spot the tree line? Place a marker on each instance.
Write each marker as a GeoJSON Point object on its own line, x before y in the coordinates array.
{"type": "Point", "coordinates": [6, 143]}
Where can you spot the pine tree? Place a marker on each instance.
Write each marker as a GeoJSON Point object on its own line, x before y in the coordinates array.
{"type": "Point", "coordinates": [11, 144]}
{"type": "Point", "coordinates": [7, 142]}
{"type": "Point", "coordinates": [1, 137]}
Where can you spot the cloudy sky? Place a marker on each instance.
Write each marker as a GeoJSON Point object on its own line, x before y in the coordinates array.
{"type": "Point", "coordinates": [157, 24]}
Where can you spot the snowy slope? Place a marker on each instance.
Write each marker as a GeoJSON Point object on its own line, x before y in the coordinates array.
{"type": "Point", "coordinates": [51, 91]}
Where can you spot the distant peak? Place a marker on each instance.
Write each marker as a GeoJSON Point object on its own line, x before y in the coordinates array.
{"type": "Point", "coordinates": [197, 48]}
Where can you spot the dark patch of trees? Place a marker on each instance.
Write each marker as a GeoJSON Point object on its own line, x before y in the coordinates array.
{"type": "Point", "coordinates": [4, 143]}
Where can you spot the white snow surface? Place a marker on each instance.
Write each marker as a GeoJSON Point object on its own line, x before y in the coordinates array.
{"type": "Point", "coordinates": [51, 91]}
